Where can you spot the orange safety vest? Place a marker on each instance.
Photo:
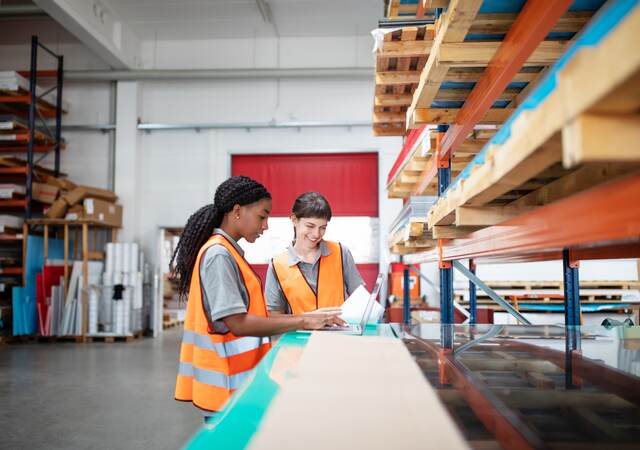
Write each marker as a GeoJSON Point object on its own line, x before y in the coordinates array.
{"type": "Point", "coordinates": [298, 292]}
{"type": "Point", "coordinates": [213, 365]}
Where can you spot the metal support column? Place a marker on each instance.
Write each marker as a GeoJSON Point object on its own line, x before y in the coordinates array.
{"type": "Point", "coordinates": [58, 116]}
{"type": "Point", "coordinates": [571, 289]}
{"type": "Point", "coordinates": [446, 270]}
{"type": "Point", "coordinates": [32, 123]}
{"type": "Point", "coordinates": [572, 316]}
{"type": "Point", "coordinates": [406, 294]}
{"type": "Point", "coordinates": [473, 307]}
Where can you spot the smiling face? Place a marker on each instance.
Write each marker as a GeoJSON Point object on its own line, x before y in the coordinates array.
{"type": "Point", "coordinates": [309, 231]}
{"type": "Point", "coordinates": [251, 220]}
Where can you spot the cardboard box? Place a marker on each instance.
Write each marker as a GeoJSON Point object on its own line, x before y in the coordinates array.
{"type": "Point", "coordinates": [62, 183]}
{"type": "Point", "coordinates": [75, 213]}
{"type": "Point", "coordinates": [57, 210]}
{"type": "Point", "coordinates": [103, 211]}
{"type": "Point", "coordinates": [82, 192]}
{"type": "Point", "coordinates": [44, 193]}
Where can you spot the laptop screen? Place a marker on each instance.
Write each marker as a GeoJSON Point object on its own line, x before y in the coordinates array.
{"type": "Point", "coordinates": [370, 303]}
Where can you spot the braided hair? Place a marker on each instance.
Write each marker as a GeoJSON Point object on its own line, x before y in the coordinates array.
{"type": "Point", "coordinates": [238, 190]}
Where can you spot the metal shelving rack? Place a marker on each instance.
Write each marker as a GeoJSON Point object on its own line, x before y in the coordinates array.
{"type": "Point", "coordinates": [29, 107]}
{"type": "Point", "coordinates": [543, 152]}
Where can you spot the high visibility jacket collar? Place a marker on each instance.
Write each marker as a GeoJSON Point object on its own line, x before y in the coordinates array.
{"type": "Point", "coordinates": [296, 288]}
{"type": "Point", "coordinates": [212, 366]}
{"type": "Point", "coordinates": [295, 259]}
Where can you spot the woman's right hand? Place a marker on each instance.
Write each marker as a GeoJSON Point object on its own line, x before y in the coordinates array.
{"type": "Point", "coordinates": [315, 320]}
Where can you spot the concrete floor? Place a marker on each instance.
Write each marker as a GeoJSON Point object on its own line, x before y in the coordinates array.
{"type": "Point", "coordinates": [93, 396]}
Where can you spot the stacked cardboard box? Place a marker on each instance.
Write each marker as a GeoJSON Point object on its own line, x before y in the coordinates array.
{"type": "Point", "coordinates": [75, 202]}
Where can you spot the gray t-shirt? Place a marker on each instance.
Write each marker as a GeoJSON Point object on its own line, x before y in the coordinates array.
{"type": "Point", "coordinates": [274, 296]}
{"type": "Point", "coordinates": [223, 289]}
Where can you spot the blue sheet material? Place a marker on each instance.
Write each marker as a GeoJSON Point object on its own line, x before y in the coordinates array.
{"type": "Point", "coordinates": [25, 316]}
{"type": "Point", "coordinates": [554, 36]}
{"type": "Point", "coordinates": [584, 307]}
{"type": "Point", "coordinates": [471, 85]}
{"type": "Point", "coordinates": [605, 21]}
{"type": "Point", "coordinates": [507, 6]}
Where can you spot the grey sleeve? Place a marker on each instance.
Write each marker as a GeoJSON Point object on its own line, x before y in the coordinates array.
{"type": "Point", "coordinates": [273, 294]}
{"type": "Point", "coordinates": [352, 278]}
{"type": "Point", "coordinates": [222, 286]}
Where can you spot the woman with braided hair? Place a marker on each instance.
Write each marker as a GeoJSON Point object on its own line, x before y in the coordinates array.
{"type": "Point", "coordinates": [227, 326]}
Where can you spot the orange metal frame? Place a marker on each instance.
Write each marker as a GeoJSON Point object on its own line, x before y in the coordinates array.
{"type": "Point", "coordinates": [534, 22]}
{"type": "Point", "coordinates": [608, 214]}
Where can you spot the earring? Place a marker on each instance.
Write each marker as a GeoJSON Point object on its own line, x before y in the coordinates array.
{"type": "Point", "coordinates": [237, 217]}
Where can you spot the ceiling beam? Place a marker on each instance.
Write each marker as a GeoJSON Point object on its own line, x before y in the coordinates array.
{"type": "Point", "coordinates": [99, 29]}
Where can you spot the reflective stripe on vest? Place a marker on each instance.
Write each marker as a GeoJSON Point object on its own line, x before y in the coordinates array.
{"type": "Point", "coordinates": [298, 292]}
{"type": "Point", "coordinates": [212, 366]}
{"type": "Point", "coordinates": [212, 378]}
{"type": "Point", "coordinates": [229, 348]}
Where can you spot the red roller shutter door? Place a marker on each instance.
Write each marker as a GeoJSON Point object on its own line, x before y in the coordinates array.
{"type": "Point", "coordinates": [349, 181]}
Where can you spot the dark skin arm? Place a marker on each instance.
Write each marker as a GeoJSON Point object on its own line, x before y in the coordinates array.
{"type": "Point", "coordinates": [249, 325]}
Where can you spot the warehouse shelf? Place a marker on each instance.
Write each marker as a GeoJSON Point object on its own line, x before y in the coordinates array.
{"type": "Point", "coordinates": [427, 77]}
{"type": "Point", "coordinates": [587, 141]}
{"type": "Point", "coordinates": [566, 151]}
{"type": "Point", "coordinates": [18, 271]}
{"type": "Point", "coordinates": [88, 238]}
{"type": "Point", "coordinates": [30, 123]}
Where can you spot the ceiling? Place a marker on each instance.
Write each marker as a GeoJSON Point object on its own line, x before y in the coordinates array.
{"type": "Point", "coordinates": [219, 19]}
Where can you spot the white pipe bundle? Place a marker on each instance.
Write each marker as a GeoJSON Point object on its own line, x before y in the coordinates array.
{"type": "Point", "coordinates": [122, 279]}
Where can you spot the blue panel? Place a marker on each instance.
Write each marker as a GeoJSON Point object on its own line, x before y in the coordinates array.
{"type": "Point", "coordinates": [517, 84]}
{"type": "Point", "coordinates": [584, 307]}
{"type": "Point", "coordinates": [457, 85]}
{"type": "Point", "coordinates": [502, 6]}
{"type": "Point", "coordinates": [24, 300]}
{"type": "Point", "coordinates": [484, 37]}
{"type": "Point", "coordinates": [556, 36]}
{"type": "Point", "coordinates": [514, 6]}
{"type": "Point", "coordinates": [446, 104]}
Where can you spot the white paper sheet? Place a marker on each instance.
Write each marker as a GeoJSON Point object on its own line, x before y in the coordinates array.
{"type": "Point", "coordinates": [354, 307]}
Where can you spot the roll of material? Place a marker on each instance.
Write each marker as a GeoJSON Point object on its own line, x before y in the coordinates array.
{"type": "Point", "coordinates": [93, 311]}
{"type": "Point", "coordinates": [118, 258]}
{"type": "Point", "coordinates": [134, 257]}
{"type": "Point", "coordinates": [126, 256]}
{"type": "Point", "coordinates": [138, 293]}
{"type": "Point", "coordinates": [110, 250]}
{"type": "Point", "coordinates": [108, 278]}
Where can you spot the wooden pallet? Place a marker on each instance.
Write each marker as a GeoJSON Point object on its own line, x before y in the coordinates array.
{"type": "Point", "coordinates": [558, 284]}
{"type": "Point", "coordinates": [171, 323]}
{"type": "Point", "coordinates": [413, 9]}
{"type": "Point", "coordinates": [584, 133]}
{"type": "Point", "coordinates": [411, 238]}
{"type": "Point", "coordinates": [421, 159]}
{"type": "Point", "coordinates": [56, 339]}
{"type": "Point", "coordinates": [398, 66]}
{"type": "Point", "coordinates": [417, 71]}
{"type": "Point", "coordinates": [115, 338]}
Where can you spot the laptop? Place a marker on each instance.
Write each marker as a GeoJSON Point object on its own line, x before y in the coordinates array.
{"type": "Point", "coordinates": [359, 328]}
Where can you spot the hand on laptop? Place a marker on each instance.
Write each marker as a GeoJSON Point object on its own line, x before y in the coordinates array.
{"type": "Point", "coordinates": [321, 318]}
